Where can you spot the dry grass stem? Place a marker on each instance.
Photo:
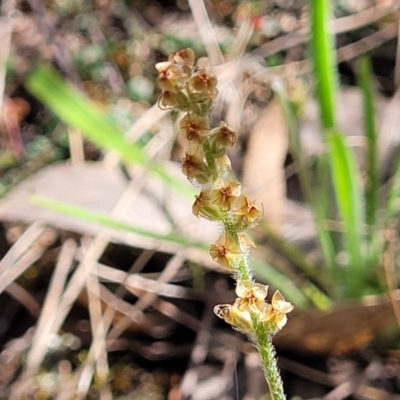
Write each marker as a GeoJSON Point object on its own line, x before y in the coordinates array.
{"type": "Point", "coordinates": [23, 297]}
{"type": "Point", "coordinates": [206, 31]}
{"type": "Point", "coordinates": [76, 146]}
{"type": "Point", "coordinates": [21, 265]}
{"type": "Point", "coordinates": [340, 25]}
{"type": "Point", "coordinates": [24, 242]}
{"type": "Point", "coordinates": [98, 343]}
{"type": "Point", "coordinates": [138, 284]}
{"type": "Point", "coordinates": [44, 325]}
{"type": "Point", "coordinates": [115, 303]}
{"type": "Point", "coordinates": [367, 43]}
{"type": "Point", "coordinates": [148, 299]}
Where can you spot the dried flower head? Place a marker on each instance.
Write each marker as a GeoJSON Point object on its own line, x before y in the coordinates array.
{"type": "Point", "coordinates": [251, 296]}
{"type": "Point", "coordinates": [251, 301]}
{"type": "Point", "coordinates": [231, 314]}
{"type": "Point", "coordinates": [194, 166]}
{"type": "Point", "coordinates": [204, 83]}
{"type": "Point", "coordinates": [223, 136]}
{"type": "Point", "coordinates": [226, 251]}
{"type": "Point", "coordinates": [275, 318]}
{"type": "Point", "coordinates": [194, 127]}
{"type": "Point", "coordinates": [245, 212]}
{"type": "Point", "coordinates": [204, 208]}
{"type": "Point", "coordinates": [172, 77]}
{"type": "Point", "coordinates": [183, 57]}
{"type": "Point", "coordinates": [225, 196]}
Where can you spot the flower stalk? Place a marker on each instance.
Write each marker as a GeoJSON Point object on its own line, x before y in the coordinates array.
{"type": "Point", "coordinates": [193, 90]}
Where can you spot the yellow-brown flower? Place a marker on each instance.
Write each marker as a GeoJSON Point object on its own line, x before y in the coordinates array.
{"type": "Point", "coordinates": [194, 128]}
{"type": "Point", "coordinates": [245, 212]}
{"type": "Point", "coordinates": [183, 57]}
{"type": "Point", "coordinates": [251, 301]}
{"type": "Point", "coordinates": [194, 166]}
{"type": "Point", "coordinates": [226, 252]}
{"type": "Point", "coordinates": [234, 316]}
{"type": "Point", "coordinates": [251, 296]}
{"type": "Point", "coordinates": [223, 136]}
{"type": "Point", "coordinates": [275, 318]}
{"type": "Point", "coordinates": [225, 196]}
{"type": "Point", "coordinates": [203, 83]}
{"type": "Point", "coordinates": [203, 207]}
{"type": "Point", "coordinates": [171, 76]}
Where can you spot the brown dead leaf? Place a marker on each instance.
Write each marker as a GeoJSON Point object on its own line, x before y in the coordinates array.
{"type": "Point", "coordinates": [263, 170]}
{"type": "Point", "coordinates": [96, 188]}
{"type": "Point", "coordinates": [348, 326]}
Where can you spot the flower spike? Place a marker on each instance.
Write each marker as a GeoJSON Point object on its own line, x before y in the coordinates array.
{"type": "Point", "coordinates": [193, 91]}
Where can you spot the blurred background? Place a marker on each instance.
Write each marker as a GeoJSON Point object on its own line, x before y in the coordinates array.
{"type": "Point", "coordinates": [107, 288]}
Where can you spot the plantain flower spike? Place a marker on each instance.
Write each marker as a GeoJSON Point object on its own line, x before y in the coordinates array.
{"type": "Point", "coordinates": [192, 90]}
{"type": "Point", "coordinates": [251, 301]}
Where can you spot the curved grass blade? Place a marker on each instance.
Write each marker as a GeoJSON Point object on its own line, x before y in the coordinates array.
{"type": "Point", "coordinates": [267, 273]}
{"type": "Point", "coordinates": [323, 58]}
{"type": "Point", "coordinates": [314, 195]}
{"type": "Point", "coordinates": [75, 109]}
{"type": "Point", "coordinates": [351, 209]}
{"type": "Point", "coordinates": [107, 221]}
{"type": "Point", "coordinates": [392, 204]}
{"type": "Point", "coordinates": [371, 195]}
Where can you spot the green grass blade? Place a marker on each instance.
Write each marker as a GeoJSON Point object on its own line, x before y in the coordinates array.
{"type": "Point", "coordinates": [371, 195]}
{"type": "Point", "coordinates": [266, 273]}
{"type": "Point", "coordinates": [312, 195]}
{"type": "Point", "coordinates": [393, 197]}
{"type": "Point", "coordinates": [351, 209]}
{"type": "Point", "coordinates": [75, 109]}
{"type": "Point", "coordinates": [323, 58]}
{"type": "Point", "coordinates": [322, 51]}
{"type": "Point", "coordinates": [106, 221]}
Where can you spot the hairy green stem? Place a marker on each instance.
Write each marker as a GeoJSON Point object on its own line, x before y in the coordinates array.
{"type": "Point", "coordinates": [262, 339]}
{"type": "Point", "coordinates": [263, 342]}
{"type": "Point", "coordinates": [210, 159]}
